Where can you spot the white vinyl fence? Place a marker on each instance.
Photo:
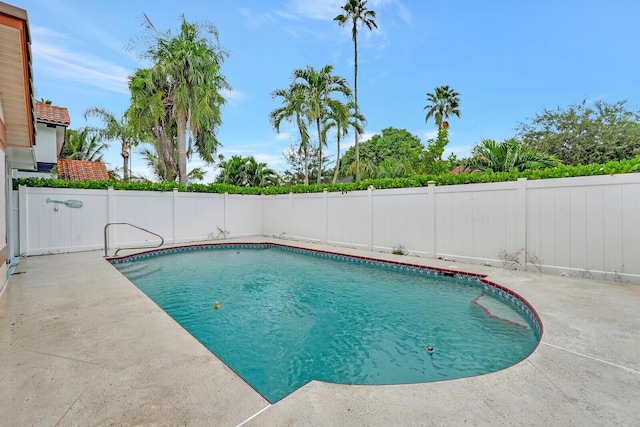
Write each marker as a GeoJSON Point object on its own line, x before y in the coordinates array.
{"type": "Point", "coordinates": [586, 227]}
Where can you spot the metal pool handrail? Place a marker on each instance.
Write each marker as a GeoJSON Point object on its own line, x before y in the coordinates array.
{"type": "Point", "coordinates": [106, 238]}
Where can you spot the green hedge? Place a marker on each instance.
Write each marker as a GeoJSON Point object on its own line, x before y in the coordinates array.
{"type": "Point", "coordinates": [610, 168]}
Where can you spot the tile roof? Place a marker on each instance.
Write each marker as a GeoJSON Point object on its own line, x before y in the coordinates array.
{"type": "Point", "coordinates": [80, 170]}
{"type": "Point", "coordinates": [51, 114]}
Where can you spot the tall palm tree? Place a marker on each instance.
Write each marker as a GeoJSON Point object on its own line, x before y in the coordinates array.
{"type": "Point", "coordinates": [115, 129]}
{"type": "Point", "coordinates": [508, 154]}
{"type": "Point", "coordinates": [190, 62]}
{"type": "Point", "coordinates": [341, 117]}
{"type": "Point", "coordinates": [83, 144]}
{"type": "Point", "coordinates": [316, 88]}
{"type": "Point", "coordinates": [150, 116]}
{"type": "Point", "coordinates": [444, 102]}
{"type": "Point", "coordinates": [292, 108]}
{"type": "Point", "coordinates": [356, 12]}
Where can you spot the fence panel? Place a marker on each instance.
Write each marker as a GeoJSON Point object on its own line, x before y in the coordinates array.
{"type": "Point", "coordinates": [309, 221]}
{"type": "Point", "coordinates": [54, 227]}
{"type": "Point", "coordinates": [349, 219]}
{"type": "Point", "coordinates": [198, 216]}
{"type": "Point", "coordinates": [399, 220]}
{"type": "Point", "coordinates": [277, 215]}
{"type": "Point", "coordinates": [244, 215]}
{"type": "Point", "coordinates": [585, 226]}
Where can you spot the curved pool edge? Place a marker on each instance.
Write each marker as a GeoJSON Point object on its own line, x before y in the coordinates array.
{"type": "Point", "coordinates": [486, 284]}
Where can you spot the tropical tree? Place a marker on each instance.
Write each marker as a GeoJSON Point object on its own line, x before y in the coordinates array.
{"type": "Point", "coordinates": [246, 172]}
{"type": "Point", "coordinates": [292, 109]}
{"type": "Point", "coordinates": [188, 67]}
{"type": "Point", "coordinates": [507, 155]}
{"type": "Point", "coordinates": [391, 142]}
{"type": "Point", "coordinates": [115, 129]}
{"type": "Point", "coordinates": [444, 102]}
{"type": "Point", "coordinates": [356, 12]}
{"type": "Point", "coordinates": [150, 116]}
{"type": "Point", "coordinates": [157, 167]}
{"type": "Point", "coordinates": [341, 117]}
{"type": "Point", "coordinates": [316, 88]}
{"type": "Point", "coordinates": [83, 144]}
{"type": "Point", "coordinates": [585, 133]}
{"type": "Point", "coordinates": [393, 167]}
{"type": "Point", "coordinates": [295, 172]}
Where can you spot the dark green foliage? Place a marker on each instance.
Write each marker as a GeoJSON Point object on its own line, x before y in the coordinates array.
{"type": "Point", "coordinates": [561, 171]}
{"type": "Point", "coordinates": [392, 142]}
{"type": "Point", "coordinates": [585, 134]}
{"type": "Point", "coordinates": [507, 155]}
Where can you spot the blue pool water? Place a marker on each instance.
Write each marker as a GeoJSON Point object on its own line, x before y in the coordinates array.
{"type": "Point", "coordinates": [286, 318]}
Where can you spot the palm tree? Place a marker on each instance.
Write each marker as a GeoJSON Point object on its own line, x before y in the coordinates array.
{"type": "Point", "coordinates": [83, 144]}
{"type": "Point", "coordinates": [150, 155]}
{"type": "Point", "coordinates": [292, 108]}
{"type": "Point", "coordinates": [150, 116]}
{"type": "Point", "coordinates": [316, 88]}
{"type": "Point", "coordinates": [356, 11]}
{"type": "Point", "coordinates": [115, 129]}
{"type": "Point", "coordinates": [259, 175]}
{"type": "Point", "coordinates": [190, 64]}
{"type": "Point", "coordinates": [341, 117]}
{"type": "Point", "coordinates": [443, 103]}
{"type": "Point", "coordinates": [508, 154]}
{"type": "Point", "coordinates": [393, 167]}
{"type": "Point", "coordinates": [246, 172]}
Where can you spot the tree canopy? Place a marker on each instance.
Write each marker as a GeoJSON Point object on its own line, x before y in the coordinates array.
{"type": "Point", "coordinates": [585, 132]}
{"type": "Point", "coordinates": [391, 142]}
{"type": "Point", "coordinates": [83, 144]}
{"type": "Point", "coordinates": [246, 172]}
{"type": "Point", "coordinates": [184, 84]}
{"type": "Point", "coordinates": [505, 156]}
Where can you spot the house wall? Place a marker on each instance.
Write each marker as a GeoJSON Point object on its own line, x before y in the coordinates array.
{"type": "Point", "coordinates": [3, 209]}
{"type": "Point", "coordinates": [584, 227]}
{"type": "Point", "coordinates": [45, 150]}
{"type": "Point", "coordinates": [46, 140]}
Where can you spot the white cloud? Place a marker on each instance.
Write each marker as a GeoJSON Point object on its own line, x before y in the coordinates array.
{"type": "Point", "coordinates": [233, 97]}
{"type": "Point", "coordinates": [430, 135]}
{"type": "Point", "coordinates": [50, 51]}
{"type": "Point", "coordinates": [314, 9]}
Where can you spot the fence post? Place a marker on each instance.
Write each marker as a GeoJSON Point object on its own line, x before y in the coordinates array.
{"type": "Point", "coordinates": [522, 220]}
{"type": "Point", "coordinates": [23, 216]}
{"type": "Point", "coordinates": [224, 216]}
{"type": "Point", "coordinates": [290, 215]}
{"type": "Point", "coordinates": [431, 206]}
{"type": "Point", "coordinates": [111, 196]}
{"type": "Point", "coordinates": [173, 214]}
{"type": "Point", "coordinates": [370, 189]}
{"type": "Point", "coordinates": [326, 215]}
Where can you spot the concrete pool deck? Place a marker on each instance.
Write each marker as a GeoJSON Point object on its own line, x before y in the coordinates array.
{"type": "Point", "coordinates": [81, 345]}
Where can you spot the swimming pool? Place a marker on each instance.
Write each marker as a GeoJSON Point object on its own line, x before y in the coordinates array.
{"type": "Point", "coordinates": [287, 316]}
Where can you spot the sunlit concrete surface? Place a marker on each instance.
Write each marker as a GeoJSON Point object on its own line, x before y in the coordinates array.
{"type": "Point", "coordinates": [81, 345]}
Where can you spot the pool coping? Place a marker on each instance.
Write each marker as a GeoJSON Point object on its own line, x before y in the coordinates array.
{"type": "Point", "coordinates": [590, 337]}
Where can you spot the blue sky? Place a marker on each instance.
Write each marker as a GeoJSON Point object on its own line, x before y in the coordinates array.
{"type": "Point", "coordinates": [508, 60]}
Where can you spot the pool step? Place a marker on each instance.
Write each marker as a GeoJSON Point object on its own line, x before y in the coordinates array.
{"type": "Point", "coordinates": [137, 271]}
{"type": "Point", "coordinates": [499, 310]}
